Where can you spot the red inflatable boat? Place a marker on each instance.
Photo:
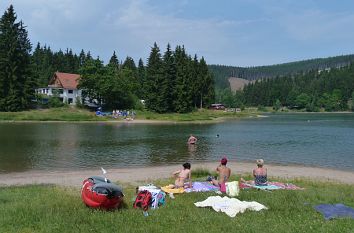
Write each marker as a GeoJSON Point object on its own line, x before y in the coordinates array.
{"type": "Point", "coordinates": [98, 192]}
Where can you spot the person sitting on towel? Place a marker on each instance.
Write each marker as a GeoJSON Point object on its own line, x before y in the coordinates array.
{"type": "Point", "coordinates": [260, 173]}
{"type": "Point", "coordinates": [224, 173]}
{"type": "Point", "coordinates": [182, 176]}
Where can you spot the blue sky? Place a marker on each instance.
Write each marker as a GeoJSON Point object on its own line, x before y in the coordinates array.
{"type": "Point", "coordinates": [239, 32]}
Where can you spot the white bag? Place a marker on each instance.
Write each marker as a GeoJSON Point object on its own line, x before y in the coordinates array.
{"type": "Point", "coordinates": [232, 188]}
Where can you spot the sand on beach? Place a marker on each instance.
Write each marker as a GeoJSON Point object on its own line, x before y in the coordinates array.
{"type": "Point", "coordinates": [145, 175]}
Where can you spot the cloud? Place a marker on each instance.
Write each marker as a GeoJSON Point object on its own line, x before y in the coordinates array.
{"type": "Point", "coordinates": [245, 32]}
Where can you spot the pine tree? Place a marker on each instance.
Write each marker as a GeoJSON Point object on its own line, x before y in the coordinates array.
{"type": "Point", "coordinates": [130, 75]}
{"type": "Point", "coordinates": [153, 76]}
{"type": "Point", "coordinates": [113, 61]}
{"type": "Point", "coordinates": [17, 87]}
{"type": "Point", "coordinates": [183, 101]}
{"type": "Point", "coordinates": [82, 58]}
{"type": "Point", "coordinates": [169, 81]}
{"type": "Point", "coordinates": [141, 79]}
{"type": "Point", "coordinates": [205, 84]}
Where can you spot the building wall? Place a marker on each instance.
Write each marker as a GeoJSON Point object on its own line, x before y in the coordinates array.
{"type": "Point", "coordinates": [68, 95]}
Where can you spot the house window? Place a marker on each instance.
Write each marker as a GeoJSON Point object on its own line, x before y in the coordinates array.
{"type": "Point", "coordinates": [70, 100]}
{"type": "Point", "coordinates": [70, 91]}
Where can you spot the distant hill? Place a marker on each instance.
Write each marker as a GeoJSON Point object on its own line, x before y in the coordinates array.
{"type": "Point", "coordinates": [222, 73]}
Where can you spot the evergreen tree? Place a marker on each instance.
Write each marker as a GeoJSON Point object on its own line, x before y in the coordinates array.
{"type": "Point", "coordinates": [183, 101]}
{"type": "Point", "coordinates": [130, 75]}
{"type": "Point", "coordinates": [113, 61]}
{"type": "Point", "coordinates": [16, 85]}
{"type": "Point", "coordinates": [142, 79]}
{"type": "Point", "coordinates": [153, 76]}
{"type": "Point", "coordinates": [129, 64]}
{"type": "Point", "coordinates": [168, 84]}
{"type": "Point", "coordinates": [205, 84]}
{"type": "Point", "coordinates": [82, 58]}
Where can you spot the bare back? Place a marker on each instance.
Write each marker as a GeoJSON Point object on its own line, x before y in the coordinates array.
{"type": "Point", "coordinates": [224, 173]}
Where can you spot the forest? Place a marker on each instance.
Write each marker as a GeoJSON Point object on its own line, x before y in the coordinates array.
{"type": "Point", "coordinates": [170, 82]}
{"type": "Point", "coordinates": [331, 90]}
{"type": "Point", "coordinates": [221, 72]}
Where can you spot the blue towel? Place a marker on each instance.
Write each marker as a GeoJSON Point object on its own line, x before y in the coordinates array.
{"type": "Point", "coordinates": [263, 187]}
{"type": "Point", "coordinates": [335, 211]}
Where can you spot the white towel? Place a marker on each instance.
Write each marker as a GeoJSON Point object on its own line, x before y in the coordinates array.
{"type": "Point", "coordinates": [230, 206]}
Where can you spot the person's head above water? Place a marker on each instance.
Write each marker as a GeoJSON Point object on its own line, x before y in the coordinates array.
{"type": "Point", "coordinates": [223, 161]}
{"type": "Point", "coordinates": [186, 166]}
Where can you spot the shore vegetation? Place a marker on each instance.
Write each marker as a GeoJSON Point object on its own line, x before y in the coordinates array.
{"type": "Point", "coordinates": [68, 113]}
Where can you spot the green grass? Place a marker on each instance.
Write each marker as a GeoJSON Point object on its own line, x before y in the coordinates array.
{"type": "Point", "coordinates": [200, 115]}
{"type": "Point", "coordinates": [52, 114]}
{"type": "Point", "coordinates": [76, 114]}
{"type": "Point", "coordinates": [41, 208]}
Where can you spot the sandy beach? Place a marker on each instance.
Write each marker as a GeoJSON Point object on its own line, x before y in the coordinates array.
{"type": "Point", "coordinates": [145, 175]}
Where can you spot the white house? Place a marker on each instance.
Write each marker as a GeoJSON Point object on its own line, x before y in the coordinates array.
{"type": "Point", "coordinates": [64, 85]}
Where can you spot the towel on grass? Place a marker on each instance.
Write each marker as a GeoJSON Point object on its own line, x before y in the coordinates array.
{"type": "Point", "coordinates": [168, 189]}
{"type": "Point", "coordinates": [201, 187]}
{"type": "Point", "coordinates": [263, 187]}
{"type": "Point", "coordinates": [335, 211]}
{"type": "Point", "coordinates": [230, 206]}
{"type": "Point", "coordinates": [270, 186]}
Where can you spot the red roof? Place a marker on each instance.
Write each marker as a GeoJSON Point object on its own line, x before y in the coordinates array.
{"type": "Point", "coordinates": [65, 80]}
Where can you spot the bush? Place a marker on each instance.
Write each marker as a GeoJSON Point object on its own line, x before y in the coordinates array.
{"type": "Point", "coordinates": [54, 102]}
{"type": "Point", "coordinates": [261, 108]}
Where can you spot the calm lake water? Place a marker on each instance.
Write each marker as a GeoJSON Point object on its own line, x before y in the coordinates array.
{"type": "Point", "coordinates": [325, 140]}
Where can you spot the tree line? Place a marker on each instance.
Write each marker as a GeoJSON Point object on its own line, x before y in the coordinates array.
{"type": "Point", "coordinates": [329, 90]}
{"type": "Point", "coordinates": [221, 73]}
{"type": "Point", "coordinates": [172, 82]}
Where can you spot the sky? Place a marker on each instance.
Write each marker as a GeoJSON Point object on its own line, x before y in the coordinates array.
{"type": "Point", "coordinates": [226, 32]}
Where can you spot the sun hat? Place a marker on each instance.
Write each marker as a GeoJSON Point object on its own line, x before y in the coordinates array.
{"type": "Point", "coordinates": [223, 160]}
{"type": "Point", "coordinates": [259, 162]}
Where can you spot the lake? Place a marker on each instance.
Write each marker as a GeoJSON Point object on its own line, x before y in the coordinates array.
{"type": "Point", "coordinates": [324, 140]}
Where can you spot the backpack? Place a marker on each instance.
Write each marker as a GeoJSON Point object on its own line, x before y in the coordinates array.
{"type": "Point", "coordinates": [143, 200]}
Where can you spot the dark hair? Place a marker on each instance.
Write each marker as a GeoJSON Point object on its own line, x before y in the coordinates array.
{"type": "Point", "coordinates": [187, 166]}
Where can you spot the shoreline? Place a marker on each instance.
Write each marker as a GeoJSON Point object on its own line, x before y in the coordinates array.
{"type": "Point", "coordinates": [143, 175]}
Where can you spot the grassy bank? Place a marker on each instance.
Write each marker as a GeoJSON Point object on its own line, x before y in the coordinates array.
{"type": "Point", "coordinates": [52, 114]}
{"type": "Point", "coordinates": [200, 115]}
{"type": "Point", "coordinates": [60, 209]}
{"type": "Point", "coordinates": [76, 114]}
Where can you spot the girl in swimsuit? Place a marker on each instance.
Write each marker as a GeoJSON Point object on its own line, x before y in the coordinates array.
{"type": "Point", "coordinates": [182, 176]}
